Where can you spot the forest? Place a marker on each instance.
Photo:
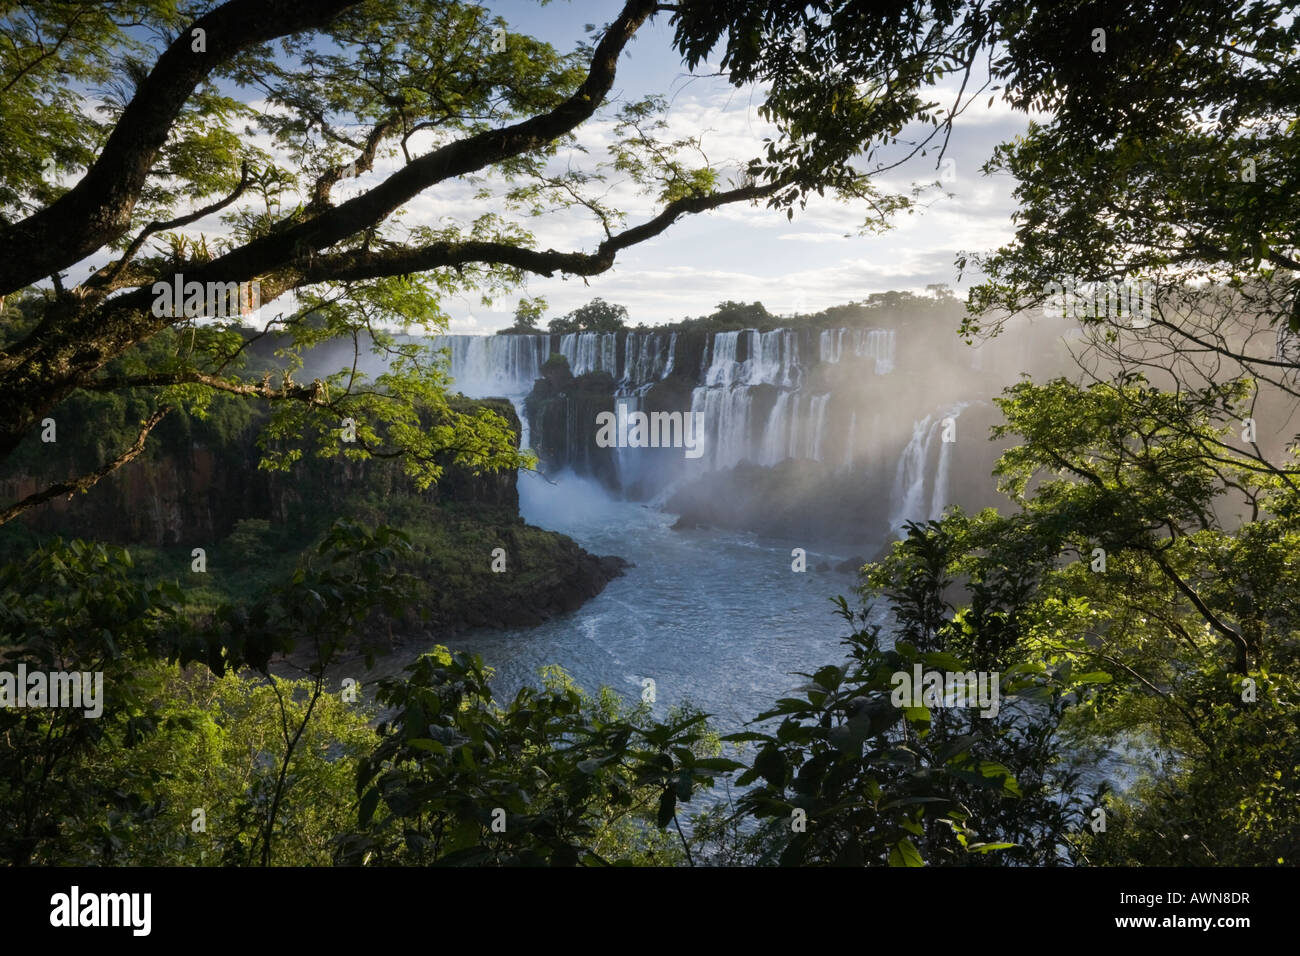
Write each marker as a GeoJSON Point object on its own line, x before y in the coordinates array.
{"type": "Point", "coordinates": [234, 515]}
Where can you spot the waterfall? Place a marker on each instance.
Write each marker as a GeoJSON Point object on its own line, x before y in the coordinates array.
{"type": "Point", "coordinates": [726, 424]}
{"type": "Point", "coordinates": [848, 445]}
{"type": "Point", "coordinates": [877, 344]}
{"type": "Point", "coordinates": [723, 370]}
{"type": "Point", "coordinates": [909, 479]}
{"type": "Point", "coordinates": [817, 424]}
{"type": "Point", "coordinates": [912, 477]}
{"type": "Point", "coordinates": [625, 459]}
{"type": "Point", "coordinates": [488, 365]}
{"type": "Point", "coordinates": [939, 496]}
{"type": "Point", "coordinates": [796, 425]}
{"type": "Point", "coordinates": [590, 352]}
{"type": "Point", "coordinates": [762, 395]}
{"type": "Point", "coordinates": [647, 358]}
{"type": "Point", "coordinates": [774, 359]}
{"type": "Point", "coordinates": [775, 445]}
{"type": "Point", "coordinates": [831, 344]}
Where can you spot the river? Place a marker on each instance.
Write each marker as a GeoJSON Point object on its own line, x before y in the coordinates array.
{"type": "Point", "coordinates": [715, 618]}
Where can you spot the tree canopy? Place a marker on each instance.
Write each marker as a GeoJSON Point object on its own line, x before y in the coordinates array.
{"type": "Point", "coordinates": [275, 147]}
{"type": "Point", "coordinates": [596, 316]}
{"type": "Point", "coordinates": [1137, 594]}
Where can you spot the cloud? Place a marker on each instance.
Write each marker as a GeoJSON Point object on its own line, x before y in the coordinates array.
{"type": "Point", "coordinates": [742, 251]}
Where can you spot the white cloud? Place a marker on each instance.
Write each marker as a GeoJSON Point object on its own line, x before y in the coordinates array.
{"type": "Point", "coordinates": [740, 251]}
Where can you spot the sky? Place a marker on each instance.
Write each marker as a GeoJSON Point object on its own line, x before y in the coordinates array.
{"type": "Point", "coordinates": [740, 252]}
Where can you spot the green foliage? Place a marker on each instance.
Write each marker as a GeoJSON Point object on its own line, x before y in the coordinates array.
{"type": "Point", "coordinates": [938, 312]}
{"type": "Point", "coordinates": [1128, 178]}
{"type": "Point", "coordinates": [458, 779]}
{"type": "Point", "coordinates": [73, 607]}
{"type": "Point", "coordinates": [215, 747]}
{"type": "Point", "coordinates": [596, 316]}
{"type": "Point", "coordinates": [528, 313]}
{"type": "Point", "coordinates": [849, 777]}
{"type": "Point", "coordinates": [406, 412]}
{"type": "Point", "coordinates": [57, 47]}
{"type": "Point", "coordinates": [450, 584]}
{"type": "Point", "coordinates": [1117, 572]}
{"type": "Point", "coordinates": [1234, 803]}
{"type": "Point", "coordinates": [251, 541]}
{"type": "Point", "coordinates": [1176, 159]}
{"type": "Point", "coordinates": [353, 576]}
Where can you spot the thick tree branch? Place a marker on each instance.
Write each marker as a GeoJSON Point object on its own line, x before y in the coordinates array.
{"type": "Point", "coordinates": [311, 394]}
{"type": "Point", "coordinates": [353, 266]}
{"type": "Point", "coordinates": [363, 163]}
{"type": "Point", "coordinates": [108, 275]}
{"type": "Point", "coordinates": [98, 209]}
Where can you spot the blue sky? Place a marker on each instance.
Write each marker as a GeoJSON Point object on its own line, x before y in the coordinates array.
{"type": "Point", "coordinates": [816, 260]}
{"type": "Point", "coordinates": [739, 252]}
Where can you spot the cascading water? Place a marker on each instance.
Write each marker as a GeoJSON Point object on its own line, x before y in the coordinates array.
{"type": "Point", "coordinates": [646, 360]}
{"type": "Point", "coordinates": [760, 393]}
{"type": "Point", "coordinates": [915, 476]}
{"type": "Point", "coordinates": [488, 365]}
{"type": "Point", "coordinates": [590, 352]}
{"type": "Point", "coordinates": [877, 344]}
{"type": "Point", "coordinates": [796, 422]}
{"type": "Point", "coordinates": [848, 446]}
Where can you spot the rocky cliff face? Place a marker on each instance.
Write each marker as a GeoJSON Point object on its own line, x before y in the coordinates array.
{"type": "Point", "coordinates": [197, 484]}
{"type": "Point", "coordinates": [195, 487]}
{"type": "Point", "coordinates": [556, 407]}
{"type": "Point", "coordinates": [838, 433]}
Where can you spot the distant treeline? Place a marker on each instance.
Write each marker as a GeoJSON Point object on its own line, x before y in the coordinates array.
{"type": "Point", "coordinates": [728, 316]}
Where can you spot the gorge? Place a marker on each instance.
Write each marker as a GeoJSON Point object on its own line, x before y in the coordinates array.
{"type": "Point", "coordinates": [827, 439]}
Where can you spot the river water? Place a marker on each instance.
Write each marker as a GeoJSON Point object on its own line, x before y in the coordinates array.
{"type": "Point", "coordinates": [715, 618]}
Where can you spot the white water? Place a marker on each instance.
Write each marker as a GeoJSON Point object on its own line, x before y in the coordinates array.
{"type": "Point", "coordinates": [796, 422]}
{"type": "Point", "coordinates": [716, 618]}
{"type": "Point", "coordinates": [920, 478]}
{"type": "Point", "coordinates": [796, 426]}
{"type": "Point", "coordinates": [484, 366]}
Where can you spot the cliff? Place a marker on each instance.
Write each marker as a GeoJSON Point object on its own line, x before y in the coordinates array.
{"type": "Point", "coordinates": [823, 433]}
{"type": "Point", "coordinates": [198, 486]}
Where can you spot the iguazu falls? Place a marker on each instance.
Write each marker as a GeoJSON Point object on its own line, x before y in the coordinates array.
{"type": "Point", "coordinates": [723, 436]}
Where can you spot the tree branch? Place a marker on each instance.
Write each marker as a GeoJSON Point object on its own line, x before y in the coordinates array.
{"type": "Point", "coordinates": [106, 276]}
{"type": "Point", "coordinates": [353, 266]}
{"type": "Point", "coordinates": [455, 159]}
{"type": "Point", "coordinates": [98, 209]}
{"type": "Point", "coordinates": [85, 481]}
{"type": "Point", "coordinates": [1239, 642]}
{"type": "Point", "coordinates": [286, 392]}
